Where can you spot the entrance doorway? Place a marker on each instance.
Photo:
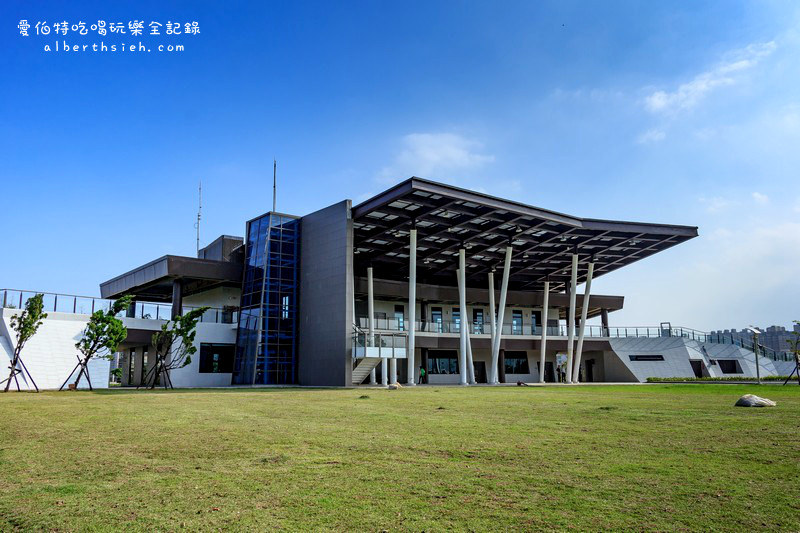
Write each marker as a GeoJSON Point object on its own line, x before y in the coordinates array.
{"type": "Point", "coordinates": [589, 366]}
{"type": "Point", "coordinates": [549, 372]}
{"type": "Point", "coordinates": [480, 371]}
{"type": "Point", "coordinates": [697, 368]}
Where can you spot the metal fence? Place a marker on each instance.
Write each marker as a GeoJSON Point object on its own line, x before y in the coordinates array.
{"type": "Point", "coordinates": [86, 305]}
{"type": "Point", "coordinates": [590, 331]}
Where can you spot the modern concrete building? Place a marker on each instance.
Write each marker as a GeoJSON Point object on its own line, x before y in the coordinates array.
{"type": "Point", "coordinates": [469, 287]}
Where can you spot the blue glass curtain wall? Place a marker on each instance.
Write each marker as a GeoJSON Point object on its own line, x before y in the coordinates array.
{"type": "Point", "coordinates": [266, 345]}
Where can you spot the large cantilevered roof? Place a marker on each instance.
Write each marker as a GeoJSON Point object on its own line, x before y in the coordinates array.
{"type": "Point", "coordinates": [448, 218]}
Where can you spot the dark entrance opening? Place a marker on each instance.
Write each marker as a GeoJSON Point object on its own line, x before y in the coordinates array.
{"type": "Point", "coordinates": [549, 371]}
{"type": "Point", "coordinates": [697, 367]}
{"type": "Point", "coordinates": [480, 371]}
{"type": "Point", "coordinates": [589, 371]}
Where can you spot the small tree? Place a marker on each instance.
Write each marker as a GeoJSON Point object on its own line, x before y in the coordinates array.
{"type": "Point", "coordinates": [101, 337]}
{"type": "Point", "coordinates": [25, 324]}
{"type": "Point", "coordinates": [174, 347]}
{"type": "Point", "coordinates": [794, 345]}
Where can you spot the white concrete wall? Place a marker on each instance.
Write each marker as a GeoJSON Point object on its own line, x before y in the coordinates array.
{"type": "Point", "coordinates": [190, 376]}
{"type": "Point", "coordinates": [219, 297]}
{"type": "Point", "coordinates": [678, 352]}
{"type": "Point", "coordinates": [50, 354]}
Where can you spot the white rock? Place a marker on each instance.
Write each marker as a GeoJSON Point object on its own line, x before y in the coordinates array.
{"type": "Point", "coordinates": [751, 400]}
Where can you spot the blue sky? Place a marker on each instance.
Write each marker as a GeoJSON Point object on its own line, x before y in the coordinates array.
{"type": "Point", "coordinates": [680, 112]}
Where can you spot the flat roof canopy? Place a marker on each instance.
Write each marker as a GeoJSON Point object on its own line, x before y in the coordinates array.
{"type": "Point", "coordinates": [153, 281]}
{"type": "Point", "coordinates": [448, 218]}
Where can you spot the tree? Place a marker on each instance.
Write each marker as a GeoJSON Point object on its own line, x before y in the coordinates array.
{"type": "Point", "coordinates": [174, 347]}
{"type": "Point", "coordinates": [25, 324]}
{"type": "Point", "coordinates": [101, 337]}
{"type": "Point", "coordinates": [794, 345]}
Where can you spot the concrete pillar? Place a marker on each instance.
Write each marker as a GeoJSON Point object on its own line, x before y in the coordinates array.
{"type": "Point", "coordinates": [584, 311]}
{"type": "Point", "coordinates": [470, 364]}
{"type": "Point", "coordinates": [412, 305]}
{"type": "Point", "coordinates": [604, 321]}
{"type": "Point", "coordinates": [545, 311]}
{"type": "Point", "coordinates": [370, 318]}
{"type": "Point", "coordinates": [492, 315]}
{"type": "Point", "coordinates": [384, 371]}
{"type": "Point", "coordinates": [393, 371]}
{"type": "Point", "coordinates": [462, 307]}
{"type": "Point", "coordinates": [177, 298]}
{"type": "Point", "coordinates": [501, 366]}
{"type": "Point", "coordinates": [423, 353]}
{"type": "Point", "coordinates": [571, 318]}
{"type": "Point", "coordinates": [500, 316]}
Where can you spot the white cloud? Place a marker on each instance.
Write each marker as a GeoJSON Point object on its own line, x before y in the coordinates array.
{"type": "Point", "coordinates": [651, 136]}
{"type": "Point", "coordinates": [760, 199]}
{"type": "Point", "coordinates": [689, 94]}
{"type": "Point", "coordinates": [434, 154]}
{"type": "Point", "coordinates": [716, 204]}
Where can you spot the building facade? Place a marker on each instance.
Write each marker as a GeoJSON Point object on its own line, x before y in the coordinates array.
{"type": "Point", "coordinates": [424, 282]}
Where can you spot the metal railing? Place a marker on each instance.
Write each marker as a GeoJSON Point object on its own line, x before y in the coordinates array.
{"type": "Point", "coordinates": [590, 331]}
{"type": "Point", "coordinates": [86, 305]}
{"type": "Point", "coordinates": [387, 343]}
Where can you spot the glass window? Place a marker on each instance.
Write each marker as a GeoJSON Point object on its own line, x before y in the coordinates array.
{"type": "Point", "coordinates": [442, 362]}
{"type": "Point", "coordinates": [399, 312]}
{"type": "Point", "coordinates": [436, 318]}
{"type": "Point", "coordinates": [646, 357]}
{"type": "Point", "coordinates": [477, 321]}
{"type": "Point", "coordinates": [516, 322]}
{"type": "Point", "coordinates": [517, 363]}
{"type": "Point", "coordinates": [456, 320]}
{"type": "Point", "coordinates": [266, 336]}
{"type": "Point", "coordinates": [216, 358]}
{"type": "Point", "coordinates": [729, 366]}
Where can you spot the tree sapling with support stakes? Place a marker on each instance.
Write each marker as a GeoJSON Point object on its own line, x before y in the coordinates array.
{"type": "Point", "coordinates": [174, 347]}
{"type": "Point", "coordinates": [100, 338]}
{"type": "Point", "coordinates": [25, 324]}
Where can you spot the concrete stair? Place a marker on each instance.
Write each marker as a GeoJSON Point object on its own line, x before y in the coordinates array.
{"type": "Point", "coordinates": [364, 367]}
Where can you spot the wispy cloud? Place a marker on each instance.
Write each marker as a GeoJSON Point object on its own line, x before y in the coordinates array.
{"type": "Point", "coordinates": [651, 136]}
{"type": "Point", "coordinates": [687, 95]}
{"type": "Point", "coordinates": [760, 199]}
{"type": "Point", "coordinates": [716, 204]}
{"type": "Point", "coordinates": [434, 154]}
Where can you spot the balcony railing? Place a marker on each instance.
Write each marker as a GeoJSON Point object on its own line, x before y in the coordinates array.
{"type": "Point", "coordinates": [590, 331]}
{"type": "Point", "coordinates": [86, 305]}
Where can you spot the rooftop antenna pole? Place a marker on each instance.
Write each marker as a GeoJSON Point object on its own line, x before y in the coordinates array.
{"type": "Point", "coordinates": [274, 183]}
{"type": "Point", "coordinates": [199, 213]}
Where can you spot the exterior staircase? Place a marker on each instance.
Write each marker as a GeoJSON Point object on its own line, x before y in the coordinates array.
{"type": "Point", "coordinates": [363, 368]}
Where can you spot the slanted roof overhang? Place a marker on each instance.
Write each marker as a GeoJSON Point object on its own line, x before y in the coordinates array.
{"type": "Point", "coordinates": [153, 281]}
{"type": "Point", "coordinates": [448, 218]}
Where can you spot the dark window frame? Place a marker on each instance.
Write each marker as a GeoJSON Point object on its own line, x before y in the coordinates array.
{"type": "Point", "coordinates": [646, 358]}
{"type": "Point", "coordinates": [224, 364]}
{"type": "Point", "coordinates": [518, 368]}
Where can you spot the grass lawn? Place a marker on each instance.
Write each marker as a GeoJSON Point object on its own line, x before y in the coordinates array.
{"type": "Point", "coordinates": [660, 457]}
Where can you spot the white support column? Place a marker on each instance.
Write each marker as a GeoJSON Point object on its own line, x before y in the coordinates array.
{"type": "Point", "coordinates": [500, 316]}
{"type": "Point", "coordinates": [492, 311]}
{"type": "Point", "coordinates": [470, 365]}
{"type": "Point", "coordinates": [384, 371]}
{"type": "Point", "coordinates": [412, 305]}
{"type": "Point", "coordinates": [545, 310]}
{"type": "Point", "coordinates": [584, 311]}
{"type": "Point", "coordinates": [571, 317]}
{"type": "Point", "coordinates": [462, 308]}
{"type": "Point", "coordinates": [392, 371]}
{"type": "Point", "coordinates": [370, 319]}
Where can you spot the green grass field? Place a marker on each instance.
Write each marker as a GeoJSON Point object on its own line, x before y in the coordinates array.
{"type": "Point", "coordinates": [649, 457]}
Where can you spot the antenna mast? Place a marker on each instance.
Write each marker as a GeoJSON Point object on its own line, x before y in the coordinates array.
{"type": "Point", "coordinates": [274, 183]}
{"type": "Point", "coordinates": [199, 213]}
